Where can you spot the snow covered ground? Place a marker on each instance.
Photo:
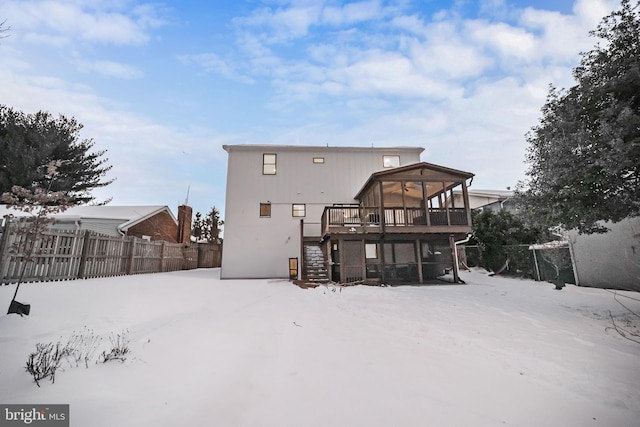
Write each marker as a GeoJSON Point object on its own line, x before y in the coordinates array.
{"type": "Point", "coordinates": [205, 352]}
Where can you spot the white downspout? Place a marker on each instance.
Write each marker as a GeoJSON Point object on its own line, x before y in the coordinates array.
{"type": "Point", "coordinates": [455, 252]}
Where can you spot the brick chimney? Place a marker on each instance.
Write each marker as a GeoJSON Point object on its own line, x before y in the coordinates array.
{"type": "Point", "coordinates": [184, 224]}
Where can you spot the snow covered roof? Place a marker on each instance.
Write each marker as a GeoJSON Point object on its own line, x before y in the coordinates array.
{"type": "Point", "coordinates": [230, 147]}
{"type": "Point", "coordinates": [129, 215]}
{"type": "Point", "coordinates": [500, 194]}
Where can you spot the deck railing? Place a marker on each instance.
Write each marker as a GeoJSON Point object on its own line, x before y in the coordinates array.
{"type": "Point", "coordinates": [350, 216]}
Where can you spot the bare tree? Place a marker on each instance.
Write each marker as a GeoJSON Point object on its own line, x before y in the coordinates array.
{"type": "Point", "coordinates": [39, 204]}
{"type": "Point", "coordinates": [4, 29]}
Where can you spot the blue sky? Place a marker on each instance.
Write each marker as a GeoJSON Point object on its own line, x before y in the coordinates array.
{"type": "Point", "coordinates": [163, 85]}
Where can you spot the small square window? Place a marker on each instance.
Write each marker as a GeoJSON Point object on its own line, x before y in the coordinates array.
{"type": "Point", "coordinates": [269, 164]}
{"type": "Point", "coordinates": [299, 210]}
{"type": "Point", "coordinates": [318, 160]}
{"type": "Point", "coordinates": [390, 161]}
{"type": "Point", "coordinates": [265, 210]}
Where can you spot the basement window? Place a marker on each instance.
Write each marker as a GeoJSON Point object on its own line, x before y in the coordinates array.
{"type": "Point", "coordinates": [269, 164]}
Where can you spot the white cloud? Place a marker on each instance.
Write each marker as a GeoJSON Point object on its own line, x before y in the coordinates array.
{"type": "Point", "coordinates": [103, 22]}
{"type": "Point", "coordinates": [445, 54]}
{"type": "Point", "coordinates": [590, 12]}
{"type": "Point", "coordinates": [211, 62]}
{"type": "Point", "coordinates": [511, 43]}
{"type": "Point", "coordinates": [281, 24]}
{"type": "Point", "coordinates": [351, 13]}
{"type": "Point", "coordinates": [110, 69]}
{"type": "Point", "coordinates": [46, 39]}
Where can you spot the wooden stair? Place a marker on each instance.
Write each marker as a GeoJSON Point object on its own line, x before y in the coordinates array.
{"type": "Point", "coordinates": [315, 266]}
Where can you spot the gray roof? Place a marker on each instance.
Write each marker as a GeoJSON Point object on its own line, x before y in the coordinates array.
{"type": "Point", "coordinates": [129, 215]}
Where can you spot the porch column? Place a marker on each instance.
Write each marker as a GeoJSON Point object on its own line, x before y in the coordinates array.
{"type": "Point", "coordinates": [302, 272]}
{"type": "Point", "coordinates": [465, 196]}
{"type": "Point", "coordinates": [446, 205]}
{"type": "Point", "coordinates": [419, 259]}
{"type": "Point", "coordinates": [382, 280]}
{"type": "Point", "coordinates": [341, 258]}
{"type": "Point", "coordinates": [383, 221]}
{"type": "Point", "coordinates": [425, 204]}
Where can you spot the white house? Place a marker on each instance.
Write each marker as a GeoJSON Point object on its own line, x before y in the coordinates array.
{"type": "Point", "coordinates": [271, 188]}
{"type": "Point", "coordinates": [289, 208]}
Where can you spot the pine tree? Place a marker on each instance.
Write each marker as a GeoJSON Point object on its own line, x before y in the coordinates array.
{"type": "Point", "coordinates": [584, 155]}
{"type": "Point", "coordinates": [29, 142]}
{"type": "Point", "coordinates": [207, 228]}
{"type": "Point", "coordinates": [196, 226]}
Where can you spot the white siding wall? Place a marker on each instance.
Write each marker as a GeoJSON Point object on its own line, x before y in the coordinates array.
{"type": "Point", "coordinates": [257, 247]}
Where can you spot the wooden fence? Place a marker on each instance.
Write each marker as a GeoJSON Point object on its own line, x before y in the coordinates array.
{"type": "Point", "coordinates": [63, 255]}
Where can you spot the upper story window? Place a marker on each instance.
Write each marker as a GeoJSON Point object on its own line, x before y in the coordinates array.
{"type": "Point", "coordinates": [269, 164]}
{"type": "Point", "coordinates": [265, 210]}
{"type": "Point", "coordinates": [318, 160]}
{"type": "Point", "coordinates": [390, 161]}
{"type": "Point", "coordinates": [298, 210]}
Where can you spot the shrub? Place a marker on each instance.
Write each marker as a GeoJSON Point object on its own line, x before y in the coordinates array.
{"type": "Point", "coordinates": [119, 348]}
{"type": "Point", "coordinates": [46, 360]}
{"type": "Point", "coordinates": [80, 348]}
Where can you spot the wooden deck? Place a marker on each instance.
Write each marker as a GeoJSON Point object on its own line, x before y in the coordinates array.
{"type": "Point", "coordinates": [366, 220]}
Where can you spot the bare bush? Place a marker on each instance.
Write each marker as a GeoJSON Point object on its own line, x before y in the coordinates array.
{"type": "Point", "coordinates": [80, 348]}
{"type": "Point", "coordinates": [83, 346]}
{"type": "Point", "coordinates": [44, 362]}
{"type": "Point", "coordinates": [119, 348]}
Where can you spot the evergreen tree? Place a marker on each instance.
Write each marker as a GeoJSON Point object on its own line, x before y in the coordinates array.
{"type": "Point", "coordinates": [30, 142]}
{"type": "Point", "coordinates": [196, 226]}
{"type": "Point", "coordinates": [207, 228]}
{"type": "Point", "coordinates": [584, 155]}
{"type": "Point", "coordinates": [493, 231]}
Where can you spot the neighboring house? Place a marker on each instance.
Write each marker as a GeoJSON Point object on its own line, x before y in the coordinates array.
{"type": "Point", "coordinates": [147, 222]}
{"type": "Point", "coordinates": [494, 200]}
{"type": "Point", "coordinates": [341, 213]}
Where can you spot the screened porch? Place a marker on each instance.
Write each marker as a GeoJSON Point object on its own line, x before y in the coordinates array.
{"type": "Point", "coordinates": [415, 198]}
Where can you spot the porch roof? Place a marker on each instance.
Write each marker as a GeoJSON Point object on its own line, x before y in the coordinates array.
{"type": "Point", "coordinates": [417, 171]}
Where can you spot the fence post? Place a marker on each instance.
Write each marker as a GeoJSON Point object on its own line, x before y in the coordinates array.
{"type": "Point", "coordinates": [573, 263]}
{"type": "Point", "coordinates": [83, 255]}
{"type": "Point", "coordinates": [4, 260]}
{"type": "Point", "coordinates": [162, 257]}
{"type": "Point", "coordinates": [535, 262]}
{"type": "Point", "coordinates": [132, 251]}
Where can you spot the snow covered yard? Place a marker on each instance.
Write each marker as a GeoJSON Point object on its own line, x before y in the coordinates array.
{"type": "Point", "coordinates": [206, 352]}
